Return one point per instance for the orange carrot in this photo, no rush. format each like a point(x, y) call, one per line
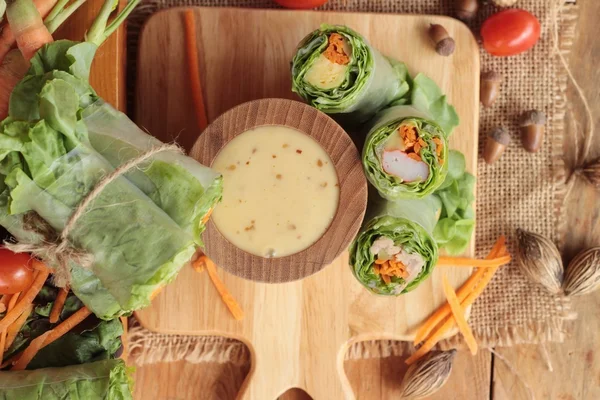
point(124, 340)
point(228, 299)
point(67, 325)
point(25, 300)
point(459, 315)
point(439, 332)
point(207, 216)
point(11, 305)
point(7, 37)
point(200, 263)
point(14, 329)
point(191, 47)
point(473, 262)
point(58, 305)
point(34, 347)
point(442, 312)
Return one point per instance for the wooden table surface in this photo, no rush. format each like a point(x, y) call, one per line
point(576, 362)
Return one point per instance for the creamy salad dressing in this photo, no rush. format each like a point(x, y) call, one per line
point(280, 191)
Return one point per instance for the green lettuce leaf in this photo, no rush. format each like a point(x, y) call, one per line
point(428, 97)
point(409, 223)
point(102, 380)
point(372, 81)
point(385, 124)
point(456, 223)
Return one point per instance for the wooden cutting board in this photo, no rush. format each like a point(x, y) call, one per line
point(297, 332)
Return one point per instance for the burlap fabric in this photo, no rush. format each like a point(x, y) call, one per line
point(519, 191)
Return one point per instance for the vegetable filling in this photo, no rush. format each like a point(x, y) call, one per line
point(329, 70)
point(393, 261)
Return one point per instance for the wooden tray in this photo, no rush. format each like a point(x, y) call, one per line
point(297, 332)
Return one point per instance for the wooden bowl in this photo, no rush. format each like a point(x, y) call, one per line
point(353, 189)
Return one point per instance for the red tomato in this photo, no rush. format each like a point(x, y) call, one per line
point(16, 274)
point(301, 4)
point(510, 32)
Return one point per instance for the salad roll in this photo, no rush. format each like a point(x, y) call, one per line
point(338, 72)
point(405, 154)
point(395, 250)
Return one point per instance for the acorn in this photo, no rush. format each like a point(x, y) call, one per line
point(465, 9)
point(444, 44)
point(495, 144)
point(532, 130)
point(489, 87)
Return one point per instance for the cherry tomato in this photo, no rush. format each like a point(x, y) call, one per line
point(301, 4)
point(510, 32)
point(16, 274)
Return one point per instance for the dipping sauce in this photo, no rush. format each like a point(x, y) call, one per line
point(280, 191)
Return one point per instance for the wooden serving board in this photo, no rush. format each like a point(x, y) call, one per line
point(297, 332)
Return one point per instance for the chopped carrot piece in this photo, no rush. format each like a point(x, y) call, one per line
point(34, 347)
point(207, 216)
point(335, 50)
point(58, 305)
point(442, 312)
point(25, 300)
point(386, 279)
point(473, 262)
point(14, 329)
point(380, 261)
point(228, 299)
point(415, 156)
point(376, 269)
point(11, 305)
point(68, 324)
point(459, 315)
point(200, 263)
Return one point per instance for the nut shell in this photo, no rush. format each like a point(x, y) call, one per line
point(583, 273)
point(540, 261)
point(532, 137)
point(495, 144)
point(466, 9)
point(489, 88)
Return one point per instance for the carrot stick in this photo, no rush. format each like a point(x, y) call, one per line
point(7, 37)
point(441, 313)
point(228, 299)
point(36, 345)
point(207, 216)
point(28, 27)
point(191, 47)
point(124, 339)
point(459, 315)
point(11, 305)
point(14, 329)
point(67, 325)
point(439, 333)
point(473, 262)
point(24, 301)
point(58, 305)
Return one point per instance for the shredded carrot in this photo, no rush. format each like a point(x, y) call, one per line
point(24, 301)
point(156, 292)
point(40, 266)
point(439, 332)
point(191, 47)
point(58, 305)
point(200, 263)
point(386, 278)
point(335, 50)
point(14, 329)
point(207, 216)
point(473, 262)
point(34, 347)
point(380, 261)
point(68, 324)
point(459, 315)
point(124, 339)
point(228, 299)
point(441, 313)
point(11, 305)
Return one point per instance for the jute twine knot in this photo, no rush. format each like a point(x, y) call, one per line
point(57, 250)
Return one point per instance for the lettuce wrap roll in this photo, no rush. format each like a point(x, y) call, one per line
point(395, 251)
point(405, 154)
point(101, 380)
point(336, 71)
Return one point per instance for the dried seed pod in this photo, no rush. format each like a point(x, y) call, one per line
point(532, 130)
point(592, 172)
point(489, 87)
point(505, 3)
point(540, 260)
point(583, 273)
point(465, 9)
point(444, 44)
point(495, 144)
point(427, 375)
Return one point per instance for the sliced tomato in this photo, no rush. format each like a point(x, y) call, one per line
point(16, 273)
point(510, 32)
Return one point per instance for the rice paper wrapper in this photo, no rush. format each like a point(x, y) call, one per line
point(102, 380)
point(372, 80)
point(385, 124)
point(409, 223)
